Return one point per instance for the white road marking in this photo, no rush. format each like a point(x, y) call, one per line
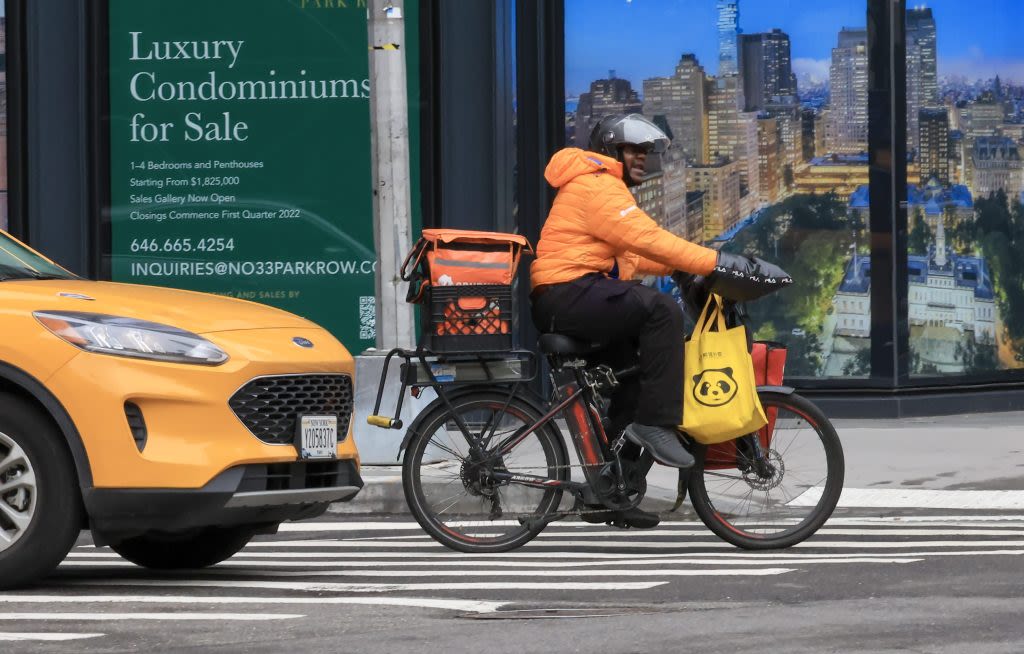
point(316, 559)
point(595, 572)
point(681, 546)
point(104, 617)
point(21, 637)
point(879, 531)
point(957, 520)
point(313, 527)
point(475, 606)
point(592, 558)
point(347, 587)
point(385, 588)
point(950, 520)
point(919, 498)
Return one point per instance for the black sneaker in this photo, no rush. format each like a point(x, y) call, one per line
point(662, 442)
point(636, 517)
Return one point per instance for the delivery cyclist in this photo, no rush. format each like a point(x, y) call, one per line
point(594, 243)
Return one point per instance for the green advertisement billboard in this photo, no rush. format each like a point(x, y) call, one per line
point(240, 152)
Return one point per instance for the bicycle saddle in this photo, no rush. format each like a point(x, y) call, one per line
point(562, 344)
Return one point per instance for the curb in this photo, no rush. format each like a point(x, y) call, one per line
point(383, 495)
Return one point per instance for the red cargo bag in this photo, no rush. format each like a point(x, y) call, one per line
point(769, 366)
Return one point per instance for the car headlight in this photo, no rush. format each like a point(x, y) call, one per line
point(128, 337)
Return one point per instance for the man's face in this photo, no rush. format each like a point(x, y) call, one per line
point(634, 160)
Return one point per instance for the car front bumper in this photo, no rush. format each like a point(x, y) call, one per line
point(250, 494)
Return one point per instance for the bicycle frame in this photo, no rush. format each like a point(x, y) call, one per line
point(574, 398)
point(577, 388)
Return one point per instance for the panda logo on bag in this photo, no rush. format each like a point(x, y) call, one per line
point(714, 387)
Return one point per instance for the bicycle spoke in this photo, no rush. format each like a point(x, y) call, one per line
point(464, 496)
point(761, 505)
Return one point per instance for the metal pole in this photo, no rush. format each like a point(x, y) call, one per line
point(389, 129)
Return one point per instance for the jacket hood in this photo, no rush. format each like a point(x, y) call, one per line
point(569, 163)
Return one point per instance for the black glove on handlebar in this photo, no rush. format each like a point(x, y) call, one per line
point(742, 278)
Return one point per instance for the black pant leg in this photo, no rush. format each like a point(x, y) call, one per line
point(661, 362)
point(625, 317)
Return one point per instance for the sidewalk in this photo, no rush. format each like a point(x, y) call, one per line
point(888, 463)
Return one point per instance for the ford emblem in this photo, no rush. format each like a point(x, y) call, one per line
point(302, 342)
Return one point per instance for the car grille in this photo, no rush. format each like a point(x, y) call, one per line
point(270, 406)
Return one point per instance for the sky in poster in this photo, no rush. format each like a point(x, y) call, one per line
point(644, 38)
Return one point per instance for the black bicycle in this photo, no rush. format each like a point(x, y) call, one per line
point(486, 467)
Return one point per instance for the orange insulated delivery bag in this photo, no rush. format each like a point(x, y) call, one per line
point(463, 279)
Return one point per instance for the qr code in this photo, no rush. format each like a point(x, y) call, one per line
point(367, 317)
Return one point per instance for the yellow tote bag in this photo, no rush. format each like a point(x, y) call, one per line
point(720, 398)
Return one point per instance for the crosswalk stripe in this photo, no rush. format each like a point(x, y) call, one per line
point(315, 586)
point(576, 556)
point(949, 520)
point(473, 606)
point(682, 545)
point(388, 588)
point(259, 566)
point(289, 558)
point(525, 560)
point(235, 571)
point(112, 617)
point(915, 530)
point(918, 498)
point(940, 520)
point(825, 531)
point(24, 637)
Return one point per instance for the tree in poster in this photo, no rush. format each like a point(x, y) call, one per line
point(810, 237)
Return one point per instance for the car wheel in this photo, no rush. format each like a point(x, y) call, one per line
point(40, 502)
point(196, 548)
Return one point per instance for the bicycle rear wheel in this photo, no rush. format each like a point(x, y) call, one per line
point(779, 505)
point(451, 491)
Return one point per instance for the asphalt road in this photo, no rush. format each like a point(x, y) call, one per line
point(870, 581)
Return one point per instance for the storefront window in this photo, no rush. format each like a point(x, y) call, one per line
point(965, 129)
point(766, 103)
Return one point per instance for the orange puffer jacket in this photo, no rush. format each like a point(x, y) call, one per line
point(595, 223)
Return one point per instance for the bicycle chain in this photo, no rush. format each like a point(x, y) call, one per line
point(557, 515)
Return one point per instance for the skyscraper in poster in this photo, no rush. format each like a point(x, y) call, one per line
point(767, 70)
point(847, 131)
point(922, 70)
point(682, 100)
point(728, 37)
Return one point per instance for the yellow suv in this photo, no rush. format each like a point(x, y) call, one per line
point(174, 425)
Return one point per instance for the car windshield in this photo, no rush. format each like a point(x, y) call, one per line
point(19, 262)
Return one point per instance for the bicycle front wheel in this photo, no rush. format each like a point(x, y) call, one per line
point(785, 497)
point(450, 484)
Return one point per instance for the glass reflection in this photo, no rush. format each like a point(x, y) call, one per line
point(766, 102)
point(965, 123)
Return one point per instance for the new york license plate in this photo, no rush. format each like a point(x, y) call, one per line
point(318, 437)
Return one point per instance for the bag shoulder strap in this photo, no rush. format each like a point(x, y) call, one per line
point(406, 272)
point(713, 315)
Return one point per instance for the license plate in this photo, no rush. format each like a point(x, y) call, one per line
point(318, 437)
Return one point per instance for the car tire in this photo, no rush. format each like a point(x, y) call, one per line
point(196, 548)
point(41, 511)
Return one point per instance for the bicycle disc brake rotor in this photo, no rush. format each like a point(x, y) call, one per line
point(765, 475)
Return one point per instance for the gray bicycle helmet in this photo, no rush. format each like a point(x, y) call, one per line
point(616, 130)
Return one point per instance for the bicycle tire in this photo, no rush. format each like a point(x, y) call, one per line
point(452, 533)
point(725, 520)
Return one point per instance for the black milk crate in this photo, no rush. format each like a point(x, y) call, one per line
point(468, 318)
